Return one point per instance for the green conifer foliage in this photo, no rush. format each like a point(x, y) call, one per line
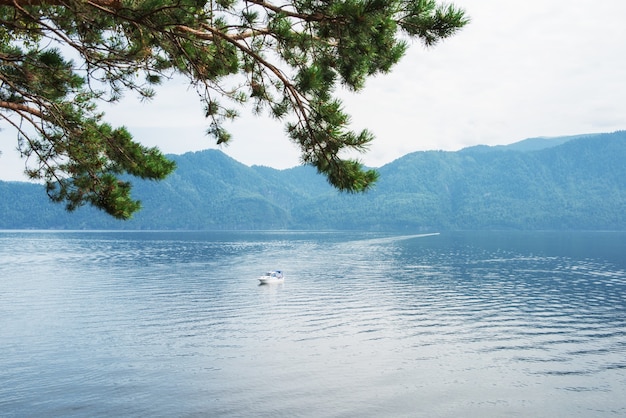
point(60, 58)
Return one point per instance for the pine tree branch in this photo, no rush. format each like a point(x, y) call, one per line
point(18, 107)
point(299, 105)
point(303, 16)
point(116, 4)
point(43, 160)
point(211, 35)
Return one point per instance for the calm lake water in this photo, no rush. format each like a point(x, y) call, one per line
point(174, 324)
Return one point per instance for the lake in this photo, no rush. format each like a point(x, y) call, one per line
point(175, 324)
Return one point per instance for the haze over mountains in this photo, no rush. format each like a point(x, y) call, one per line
point(573, 183)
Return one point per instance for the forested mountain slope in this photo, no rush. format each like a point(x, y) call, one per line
point(574, 182)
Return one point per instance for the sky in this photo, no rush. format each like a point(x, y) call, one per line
point(520, 69)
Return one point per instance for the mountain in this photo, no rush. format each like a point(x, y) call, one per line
point(532, 144)
point(576, 182)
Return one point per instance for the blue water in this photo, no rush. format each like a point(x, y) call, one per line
point(368, 325)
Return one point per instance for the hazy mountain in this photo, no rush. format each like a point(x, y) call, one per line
point(575, 182)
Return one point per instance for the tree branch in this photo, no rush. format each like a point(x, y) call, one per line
point(18, 107)
point(210, 36)
point(277, 9)
point(116, 4)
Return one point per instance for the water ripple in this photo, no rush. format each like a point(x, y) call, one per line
point(175, 324)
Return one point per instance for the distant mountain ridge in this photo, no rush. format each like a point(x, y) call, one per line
point(574, 182)
point(535, 144)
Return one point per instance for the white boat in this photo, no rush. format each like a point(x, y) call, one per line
point(275, 276)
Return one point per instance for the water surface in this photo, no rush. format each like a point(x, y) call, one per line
point(175, 324)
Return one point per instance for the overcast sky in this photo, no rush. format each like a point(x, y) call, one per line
point(520, 69)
